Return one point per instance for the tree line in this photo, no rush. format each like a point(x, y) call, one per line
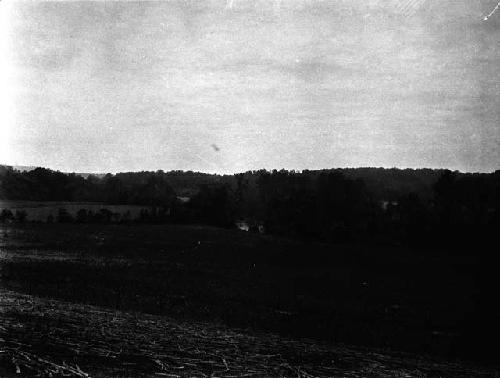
point(338, 205)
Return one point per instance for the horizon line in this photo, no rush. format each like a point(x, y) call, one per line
point(14, 166)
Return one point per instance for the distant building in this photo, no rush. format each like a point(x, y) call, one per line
point(252, 226)
point(385, 204)
point(243, 225)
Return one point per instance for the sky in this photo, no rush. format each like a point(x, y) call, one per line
point(233, 85)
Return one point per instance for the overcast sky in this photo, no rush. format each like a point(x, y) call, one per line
point(225, 86)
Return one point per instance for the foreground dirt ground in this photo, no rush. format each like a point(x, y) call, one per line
point(42, 337)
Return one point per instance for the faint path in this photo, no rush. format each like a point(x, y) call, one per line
point(59, 338)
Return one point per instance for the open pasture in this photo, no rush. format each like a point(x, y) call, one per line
point(40, 211)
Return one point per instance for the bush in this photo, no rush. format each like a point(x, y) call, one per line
point(64, 217)
point(6, 216)
point(21, 216)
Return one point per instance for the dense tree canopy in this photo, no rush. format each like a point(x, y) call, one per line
point(387, 205)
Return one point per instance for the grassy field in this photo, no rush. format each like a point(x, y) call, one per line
point(38, 211)
point(391, 299)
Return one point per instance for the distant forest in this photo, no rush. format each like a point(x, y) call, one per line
point(336, 205)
